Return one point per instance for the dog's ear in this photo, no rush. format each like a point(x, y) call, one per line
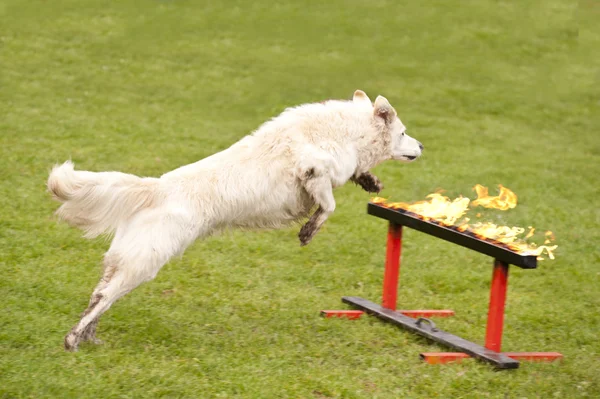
point(360, 97)
point(384, 110)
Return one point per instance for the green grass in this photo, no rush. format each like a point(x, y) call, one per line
point(498, 91)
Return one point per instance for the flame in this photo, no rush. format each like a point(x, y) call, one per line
point(503, 201)
point(438, 207)
point(450, 213)
point(531, 232)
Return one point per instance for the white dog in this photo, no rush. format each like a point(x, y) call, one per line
point(266, 180)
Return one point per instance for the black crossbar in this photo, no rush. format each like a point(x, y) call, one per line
point(413, 325)
point(464, 239)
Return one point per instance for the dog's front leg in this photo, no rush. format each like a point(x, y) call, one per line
point(322, 192)
point(368, 182)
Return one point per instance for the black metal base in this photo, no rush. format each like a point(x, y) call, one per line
point(430, 331)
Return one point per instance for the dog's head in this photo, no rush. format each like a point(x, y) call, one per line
point(403, 147)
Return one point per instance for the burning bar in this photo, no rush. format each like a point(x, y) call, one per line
point(465, 239)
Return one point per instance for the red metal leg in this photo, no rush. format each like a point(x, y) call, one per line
point(342, 314)
point(535, 356)
point(390, 283)
point(392, 266)
point(495, 323)
point(443, 357)
point(457, 357)
point(415, 314)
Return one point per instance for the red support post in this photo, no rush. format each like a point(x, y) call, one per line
point(342, 314)
point(392, 266)
point(443, 357)
point(457, 357)
point(495, 323)
point(415, 314)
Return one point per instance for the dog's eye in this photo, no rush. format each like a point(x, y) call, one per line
point(403, 133)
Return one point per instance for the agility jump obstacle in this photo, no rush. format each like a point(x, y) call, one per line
point(417, 321)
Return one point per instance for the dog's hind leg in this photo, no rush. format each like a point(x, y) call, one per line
point(89, 334)
point(135, 256)
point(110, 263)
point(116, 288)
point(321, 190)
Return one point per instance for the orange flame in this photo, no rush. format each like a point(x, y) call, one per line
point(503, 201)
point(531, 232)
point(438, 207)
point(447, 212)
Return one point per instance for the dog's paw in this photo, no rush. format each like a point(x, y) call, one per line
point(72, 342)
point(306, 233)
point(369, 182)
point(377, 186)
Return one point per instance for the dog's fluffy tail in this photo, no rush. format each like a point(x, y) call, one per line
point(98, 202)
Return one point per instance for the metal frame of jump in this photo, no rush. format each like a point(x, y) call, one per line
point(417, 321)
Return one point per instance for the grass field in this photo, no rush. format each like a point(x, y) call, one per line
point(498, 91)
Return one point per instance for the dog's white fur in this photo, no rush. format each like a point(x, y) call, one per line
point(266, 180)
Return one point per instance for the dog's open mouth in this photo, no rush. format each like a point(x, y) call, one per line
point(407, 158)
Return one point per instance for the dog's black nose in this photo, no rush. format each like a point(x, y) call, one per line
point(420, 145)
